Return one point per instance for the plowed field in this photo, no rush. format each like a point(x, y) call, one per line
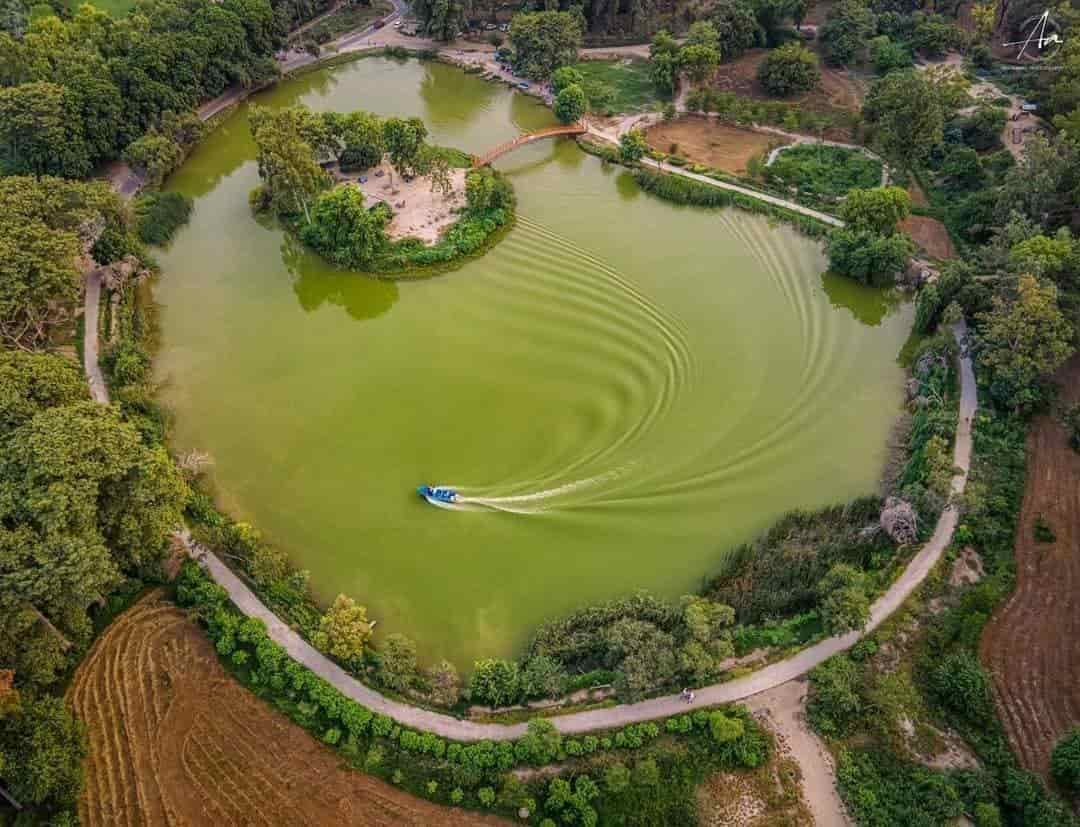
point(1032, 644)
point(175, 740)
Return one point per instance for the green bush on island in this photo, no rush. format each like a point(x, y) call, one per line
point(294, 144)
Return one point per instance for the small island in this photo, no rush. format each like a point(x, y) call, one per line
point(371, 194)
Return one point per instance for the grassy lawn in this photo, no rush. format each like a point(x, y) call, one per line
point(825, 170)
point(634, 92)
point(346, 19)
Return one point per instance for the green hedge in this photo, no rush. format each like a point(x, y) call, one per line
point(686, 746)
point(681, 190)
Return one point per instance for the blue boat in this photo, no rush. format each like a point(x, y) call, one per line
point(437, 495)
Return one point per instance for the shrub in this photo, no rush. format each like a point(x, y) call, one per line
point(486, 796)
point(571, 103)
point(495, 682)
point(158, 215)
point(960, 686)
point(867, 257)
point(835, 703)
point(616, 778)
point(1065, 761)
point(541, 742)
point(788, 70)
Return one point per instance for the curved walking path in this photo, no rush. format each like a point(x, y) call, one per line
point(764, 679)
point(663, 166)
point(453, 728)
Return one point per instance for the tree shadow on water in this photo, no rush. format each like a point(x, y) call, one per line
point(870, 305)
point(316, 283)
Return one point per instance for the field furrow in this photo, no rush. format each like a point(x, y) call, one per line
point(175, 740)
point(1031, 646)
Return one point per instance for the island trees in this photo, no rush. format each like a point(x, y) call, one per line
point(344, 231)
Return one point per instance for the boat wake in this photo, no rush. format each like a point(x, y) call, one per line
point(536, 502)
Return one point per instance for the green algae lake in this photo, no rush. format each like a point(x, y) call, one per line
point(623, 389)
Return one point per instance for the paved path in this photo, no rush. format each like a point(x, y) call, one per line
point(760, 681)
point(91, 305)
point(764, 679)
point(825, 218)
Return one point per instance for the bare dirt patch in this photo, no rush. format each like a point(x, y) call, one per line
point(418, 211)
point(839, 93)
point(175, 740)
point(709, 142)
point(930, 234)
point(1031, 646)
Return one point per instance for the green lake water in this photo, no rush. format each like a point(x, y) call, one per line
point(625, 389)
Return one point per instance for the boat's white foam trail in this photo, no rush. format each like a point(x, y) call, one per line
point(534, 502)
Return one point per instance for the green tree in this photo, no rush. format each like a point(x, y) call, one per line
point(887, 55)
point(772, 16)
point(571, 103)
point(495, 682)
point(440, 19)
point(959, 684)
point(30, 383)
point(397, 662)
point(1065, 760)
point(698, 61)
point(1021, 340)
point(867, 257)
point(362, 141)
point(663, 61)
point(847, 28)
point(1042, 186)
point(486, 190)
point(404, 140)
point(542, 677)
point(39, 133)
point(153, 157)
point(737, 28)
point(643, 655)
point(344, 231)
point(725, 729)
point(43, 747)
point(543, 41)
point(876, 210)
point(789, 69)
point(632, 146)
point(845, 604)
point(907, 113)
point(292, 177)
point(541, 742)
point(565, 76)
point(344, 630)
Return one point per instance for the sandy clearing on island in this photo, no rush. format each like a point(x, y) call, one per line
point(418, 212)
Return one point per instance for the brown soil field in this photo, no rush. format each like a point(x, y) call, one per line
point(707, 141)
point(175, 740)
point(930, 234)
point(839, 92)
point(1031, 646)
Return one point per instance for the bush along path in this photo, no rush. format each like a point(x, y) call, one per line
point(671, 169)
point(766, 678)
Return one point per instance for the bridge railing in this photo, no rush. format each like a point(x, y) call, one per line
point(508, 146)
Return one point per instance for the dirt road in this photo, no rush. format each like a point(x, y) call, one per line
point(1032, 644)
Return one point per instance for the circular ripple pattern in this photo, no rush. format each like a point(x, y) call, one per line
point(643, 387)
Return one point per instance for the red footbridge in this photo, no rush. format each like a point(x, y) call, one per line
point(578, 128)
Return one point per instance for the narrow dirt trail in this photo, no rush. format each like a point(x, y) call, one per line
point(1031, 646)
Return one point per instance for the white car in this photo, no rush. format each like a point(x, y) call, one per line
point(397, 24)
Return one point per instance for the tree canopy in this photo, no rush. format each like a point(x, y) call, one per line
point(543, 41)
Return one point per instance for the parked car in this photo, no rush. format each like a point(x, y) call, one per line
point(523, 84)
